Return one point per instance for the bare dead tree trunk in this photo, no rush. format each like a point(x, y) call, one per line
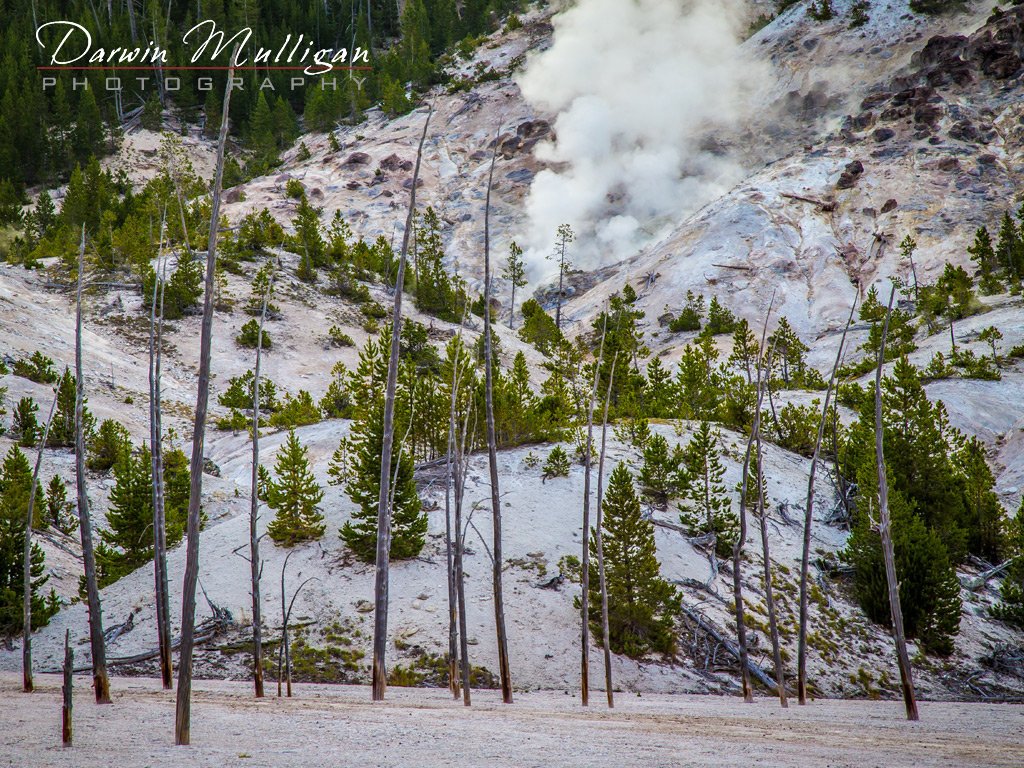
point(602, 584)
point(462, 460)
point(182, 718)
point(163, 618)
point(380, 610)
point(885, 532)
point(254, 506)
point(67, 729)
point(101, 683)
point(769, 594)
point(453, 609)
point(737, 549)
point(492, 451)
point(585, 581)
point(285, 652)
point(26, 617)
point(809, 520)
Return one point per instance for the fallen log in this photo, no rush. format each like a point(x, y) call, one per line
point(708, 628)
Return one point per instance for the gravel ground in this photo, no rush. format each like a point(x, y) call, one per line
point(338, 726)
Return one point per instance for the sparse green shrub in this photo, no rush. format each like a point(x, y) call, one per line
point(250, 336)
point(557, 464)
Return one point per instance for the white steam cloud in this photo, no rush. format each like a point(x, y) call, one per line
point(639, 87)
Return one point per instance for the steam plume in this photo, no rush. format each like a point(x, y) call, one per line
point(639, 86)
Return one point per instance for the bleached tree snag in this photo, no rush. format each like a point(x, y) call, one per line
point(885, 532)
point(182, 717)
point(67, 730)
point(380, 591)
point(585, 570)
point(462, 456)
point(805, 560)
point(163, 620)
point(101, 683)
point(453, 610)
point(492, 451)
point(599, 541)
point(26, 617)
point(737, 549)
point(285, 651)
point(254, 506)
point(769, 595)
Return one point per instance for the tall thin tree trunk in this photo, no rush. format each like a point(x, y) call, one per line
point(585, 581)
point(67, 729)
point(462, 456)
point(492, 451)
point(885, 532)
point(769, 594)
point(101, 683)
point(380, 617)
point(453, 609)
point(737, 549)
point(809, 520)
point(26, 617)
point(163, 619)
point(182, 718)
point(602, 584)
point(254, 506)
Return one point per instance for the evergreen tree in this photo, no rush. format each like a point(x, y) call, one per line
point(127, 544)
point(745, 351)
point(294, 495)
point(107, 446)
point(641, 605)
point(662, 475)
point(706, 508)
point(408, 521)
point(62, 428)
point(515, 272)
point(720, 319)
point(538, 328)
point(1010, 249)
point(60, 513)
point(659, 397)
point(557, 464)
point(1011, 606)
point(15, 485)
point(87, 137)
point(690, 316)
point(984, 256)
point(700, 382)
point(564, 237)
point(24, 426)
point(308, 242)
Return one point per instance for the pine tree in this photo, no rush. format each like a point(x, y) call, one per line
point(984, 256)
point(294, 495)
point(658, 394)
point(127, 544)
point(564, 237)
point(24, 425)
point(62, 429)
point(745, 350)
point(515, 272)
point(641, 605)
point(720, 319)
point(106, 447)
point(706, 508)
point(87, 138)
point(408, 521)
point(1011, 606)
point(662, 475)
point(308, 242)
point(557, 464)
point(60, 513)
point(15, 484)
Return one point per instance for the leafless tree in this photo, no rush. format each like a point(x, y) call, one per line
point(737, 549)
point(284, 653)
point(380, 604)
point(585, 602)
point(69, 667)
point(885, 532)
point(254, 506)
point(182, 718)
point(26, 617)
point(163, 617)
point(599, 540)
point(465, 439)
point(808, 517)
point(101, 682)
point(769, 594)
point(492, 451)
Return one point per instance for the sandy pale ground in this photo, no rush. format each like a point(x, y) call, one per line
point(338, 726)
